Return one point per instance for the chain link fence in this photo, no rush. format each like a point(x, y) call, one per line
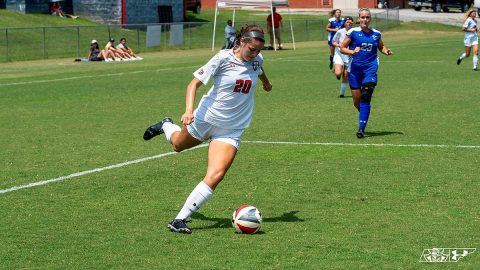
point(31, 43)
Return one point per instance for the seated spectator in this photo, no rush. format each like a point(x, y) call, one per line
point(95, 54)
point(123, 46)
point(56, 10)
point(118, 54)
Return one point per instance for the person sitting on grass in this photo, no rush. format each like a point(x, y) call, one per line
point(119, 55)
point(95, 54)
point(123, 47)
point(56, 10)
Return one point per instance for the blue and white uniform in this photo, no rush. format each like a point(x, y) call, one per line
point(334, 23)
point(364, 64)
point(471, 38)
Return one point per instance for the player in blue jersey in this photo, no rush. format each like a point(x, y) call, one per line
point(334, 24)
point(362, 44)
point(471, 38)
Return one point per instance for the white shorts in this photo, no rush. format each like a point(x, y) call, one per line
point(471, 40)
point(341, 59)
point(204, 131)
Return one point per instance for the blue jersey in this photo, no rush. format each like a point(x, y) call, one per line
point(335, 24)
point(364, 65)
point(368, 43)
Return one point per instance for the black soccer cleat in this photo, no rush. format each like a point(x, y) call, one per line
point(475, 69)
point(331, 64)
point(156, 129)
point(179, 225)
point(341, 96)
point(360, 133)
point(459, 60)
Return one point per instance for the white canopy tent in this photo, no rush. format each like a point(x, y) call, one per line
point(234, 4)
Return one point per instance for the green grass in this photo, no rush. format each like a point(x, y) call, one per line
point(325, 206)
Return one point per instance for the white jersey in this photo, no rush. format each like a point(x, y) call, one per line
point(229, 102)
point(470, 24)
point(338, 38)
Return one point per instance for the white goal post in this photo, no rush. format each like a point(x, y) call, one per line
point(236, 4)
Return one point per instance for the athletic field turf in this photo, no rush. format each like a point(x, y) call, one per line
point(329, 200)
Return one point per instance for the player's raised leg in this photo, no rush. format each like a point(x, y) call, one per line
point(464, 55)
point(178, 137)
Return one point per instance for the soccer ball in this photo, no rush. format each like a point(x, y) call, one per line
point(247, 219)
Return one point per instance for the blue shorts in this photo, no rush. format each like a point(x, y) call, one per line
point(358, 76)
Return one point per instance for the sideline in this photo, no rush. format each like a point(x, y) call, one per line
point(94, 76)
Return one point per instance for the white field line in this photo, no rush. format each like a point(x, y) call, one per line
point(93, 76)
point(382, 61)
point(369, 144)
point(73, 175)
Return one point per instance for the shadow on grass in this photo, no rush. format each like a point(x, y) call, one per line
point(227, 223)
point(381, 133)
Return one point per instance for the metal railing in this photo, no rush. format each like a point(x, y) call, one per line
point(30, 43)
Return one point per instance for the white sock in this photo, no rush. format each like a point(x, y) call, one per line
point(169, 129)
point(200, 194)
point(463, 56)
point(475, 61)
point(343, 87)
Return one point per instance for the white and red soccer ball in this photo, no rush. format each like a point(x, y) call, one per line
point(247, 219)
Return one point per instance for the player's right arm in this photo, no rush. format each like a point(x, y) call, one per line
point(187, 117)
point(344, 47)
point(328, 27)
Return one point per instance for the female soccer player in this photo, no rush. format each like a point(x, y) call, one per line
point(362, 44)
point(471, 38)
point(222, 114)
point(334, 24)
point(341, 60)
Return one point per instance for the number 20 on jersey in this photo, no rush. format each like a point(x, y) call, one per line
point(242, 86)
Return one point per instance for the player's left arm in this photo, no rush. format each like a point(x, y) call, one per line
point(383, 49)
point(267, 86)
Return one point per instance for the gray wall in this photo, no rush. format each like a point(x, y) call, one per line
point(106, 11)
point(146, 11)
point(137, 11)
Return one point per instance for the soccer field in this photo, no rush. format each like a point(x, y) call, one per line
point(329, 200)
